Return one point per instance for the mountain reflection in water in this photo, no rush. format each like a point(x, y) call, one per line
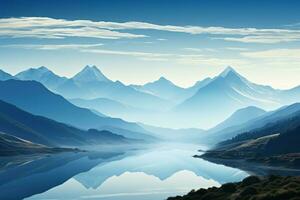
point(147, 174)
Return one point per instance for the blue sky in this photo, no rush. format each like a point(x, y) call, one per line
point(139, 41)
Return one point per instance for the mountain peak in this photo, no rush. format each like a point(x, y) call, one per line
point(34, 73)
point(42, 69)
point(227, 71)
point(92, 68)
point(163, 79)
point(5, 76)
point(90, 73)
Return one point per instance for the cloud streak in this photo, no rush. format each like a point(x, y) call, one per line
point(44, 27)
point(196, 59)
point(52, 46)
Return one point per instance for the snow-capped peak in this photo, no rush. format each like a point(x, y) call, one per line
point(90, 73)
point(228, 71)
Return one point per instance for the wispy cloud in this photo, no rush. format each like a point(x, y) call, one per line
point(199, 49)
point(286, 59)
point(193, 49)
point(266, 38)
point(196, 59)
point(43, 27)
point(274, 54)
point(52, 46)
point(128, 53)
point(293, 25)
point(237, 48)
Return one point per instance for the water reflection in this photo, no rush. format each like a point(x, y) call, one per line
point(131, 185)
point(25, 176)
point(146, 174)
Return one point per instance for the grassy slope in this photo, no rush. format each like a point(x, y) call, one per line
point(11, 146)
point(251, 188)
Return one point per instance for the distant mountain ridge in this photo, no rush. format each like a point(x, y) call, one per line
point(225, 94)
point(42, 75)
point(203, 105)
point(5, 76)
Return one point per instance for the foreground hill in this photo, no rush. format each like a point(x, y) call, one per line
point(41, 130)
point(216, 135)
point(12, 146)
point(276, 143)
point(254, 188)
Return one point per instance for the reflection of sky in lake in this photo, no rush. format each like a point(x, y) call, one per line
point(147, 175)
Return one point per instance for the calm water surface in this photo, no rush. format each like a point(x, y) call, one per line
point(154, 173)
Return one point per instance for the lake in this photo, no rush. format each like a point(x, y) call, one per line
point(152, 173)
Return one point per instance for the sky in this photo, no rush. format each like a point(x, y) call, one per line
point(140, 41)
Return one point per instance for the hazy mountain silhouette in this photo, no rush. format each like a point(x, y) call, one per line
point(5, 76)
point(42, 75)
point(90, 83)
point(165, 89)
point(222, 96)
point(21, 124)
point(280, 114)
point(106, 106)
point(162, 88)
point(162, 103)
point(239, 117)
point(33, 97)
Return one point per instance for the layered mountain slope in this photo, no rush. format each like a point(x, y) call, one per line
point(162, 88)
point(281, 114)
point(90, 83)
point(222, 96)
point(161, 103)
point(276, 143)
point(239, 117)
point(165, 89)
point(12, 146)
point(5, 76)
point(41, 130)
point(33, 97)
point(107, 106)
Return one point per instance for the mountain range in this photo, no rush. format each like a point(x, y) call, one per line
point(44, 131)
point(33, 97)
point(162, 103)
